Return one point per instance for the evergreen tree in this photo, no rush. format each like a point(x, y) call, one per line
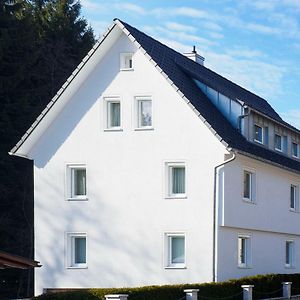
point(41, 42)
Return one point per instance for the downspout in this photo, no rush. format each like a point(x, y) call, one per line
point(215, 210)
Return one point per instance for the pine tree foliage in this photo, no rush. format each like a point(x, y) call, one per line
point(41, 42)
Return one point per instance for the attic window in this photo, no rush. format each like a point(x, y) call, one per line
point(126, 61)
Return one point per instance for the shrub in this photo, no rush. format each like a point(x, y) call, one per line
point(265, 286)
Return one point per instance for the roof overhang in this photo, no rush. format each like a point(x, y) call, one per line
point(8, 260)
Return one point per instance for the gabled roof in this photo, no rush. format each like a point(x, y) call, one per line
point(180, 72)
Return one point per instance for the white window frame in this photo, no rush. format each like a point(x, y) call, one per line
point(168, 250)
point(296, 197)
point(123, 57)
point(281, 142)
point(137, 111)
point(169, 180)
point(291, 264)
point(70, 184)
point(295, 156)
point(262, 134)
point(70, 250)
point(106, 113)
point(253, 183)
point(248, 251)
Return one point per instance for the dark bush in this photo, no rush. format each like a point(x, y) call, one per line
point(265, 286)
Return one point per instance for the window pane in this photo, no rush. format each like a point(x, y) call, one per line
point(242, 250)
point(278, 142)
point(79, 182)
point(145, 113)
point(288, 253)
point(177, 250)
point(295, 149)
point(293, 196)
point(114, 114)
point(178, 180)
point(80, 250)
point(247, 185)
point(258, 134)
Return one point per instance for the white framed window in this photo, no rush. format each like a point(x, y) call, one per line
point(176, 180)
point(289, 253)
point(175, 250)
point(249, 186)
point(244, 251)
point(76, 182)
point(258, 134)
point(295, 150)
point(294, 198)
point(278, 142)
point(76, 250)
point(112, 113)
point(126, 61)
point(144, 113)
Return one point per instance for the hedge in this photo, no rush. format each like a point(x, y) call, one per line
point(265, 286)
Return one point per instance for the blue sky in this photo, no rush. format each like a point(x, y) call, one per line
point(255, 43)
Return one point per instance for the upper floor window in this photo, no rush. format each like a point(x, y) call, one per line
point(261, 134)
point(113, 114)
point(76, 250)
point(126, 61)
point(249, 186)
point(76, 182)
point(144, 112)
point(175, 256)
point(295, 150)
point(294, 194)
point(289, 254)
point(176, 180)
point(278, 142)
point(244, 251)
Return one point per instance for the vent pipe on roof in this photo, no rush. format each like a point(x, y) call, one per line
point(195, 56)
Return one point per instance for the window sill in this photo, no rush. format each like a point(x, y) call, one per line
point(78, 199)
point(249, 201)
point(113, 129)
point(83, 267)
point(294, 211)
point(245, 267)
point(258, 142)
point(175, 267)
point(278, 150)
point(289, 267)
point(295, 157)
point(143, 128)
point(176, 197)
point(127, 69)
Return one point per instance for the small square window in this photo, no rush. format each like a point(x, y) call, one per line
point(144, 111)
point(295, 150)
point(126, 61)
point(294, 195)
point(278, 142)
point(113, 114)
point(76, 250)
point(175, 246)
point(76, 182)
point(176, 180)
point(289, 254)
point(249, 186)
point(244, 251)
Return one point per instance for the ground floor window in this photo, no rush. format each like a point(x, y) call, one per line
point(76, 250)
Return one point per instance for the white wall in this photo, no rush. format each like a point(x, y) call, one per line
point(269, 220)
point(126, 215)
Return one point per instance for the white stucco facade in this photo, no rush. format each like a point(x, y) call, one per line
point(127, 213)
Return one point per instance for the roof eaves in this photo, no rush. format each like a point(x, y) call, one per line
point(58, 94)
point(127, 32)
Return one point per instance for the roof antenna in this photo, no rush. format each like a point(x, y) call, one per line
point(194, 49)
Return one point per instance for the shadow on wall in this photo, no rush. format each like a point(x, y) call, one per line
point(82, 101)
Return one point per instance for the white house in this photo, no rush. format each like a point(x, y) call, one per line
point(150, 168)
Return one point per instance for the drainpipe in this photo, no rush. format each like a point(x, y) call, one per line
point(215, 209)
